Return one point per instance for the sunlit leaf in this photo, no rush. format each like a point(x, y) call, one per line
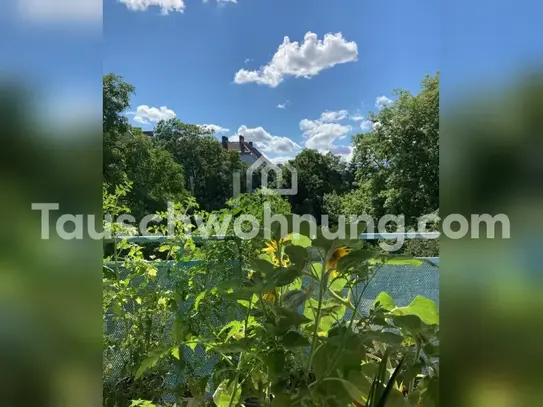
point(422, 307)
point(300, 240)
point(227, 395)
point(385, 301)
point(199, 298)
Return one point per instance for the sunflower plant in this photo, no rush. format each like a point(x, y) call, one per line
point(302, 339)
point(135, 305)
point(294, 333)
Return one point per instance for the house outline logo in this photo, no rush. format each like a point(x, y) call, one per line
point(265, 166)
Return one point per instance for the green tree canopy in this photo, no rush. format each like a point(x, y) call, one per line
point(208, 166)
point(157, 178)
point(397, 163)
point(129, 155)
point(318, 174)
point(116, 99)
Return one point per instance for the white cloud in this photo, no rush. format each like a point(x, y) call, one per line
point(216, 128)
point(321, 135)
point(302, 60)
point(145, 114)
point(345, 152)
point(247, 60)
point(366, 125)
point(357, 117)
point(165, 5)
point(382, 101)
point(333, 116)
point(283, 105)
point(264, 141)
point(281, 159)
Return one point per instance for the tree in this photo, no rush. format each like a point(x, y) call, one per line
point(157, 178)
point(116, 99)
point(129, 155)
point(318, 174)
point(397, 163)
point(208, 166)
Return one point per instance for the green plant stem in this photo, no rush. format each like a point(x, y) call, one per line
point(262, 304)
point(344, 339)
point(118, 272)
point(268, 386)
point(417, 356)
point(280, 259)
point(236, 380)
point(338, 298)
point(354, 313)
point(317, 322)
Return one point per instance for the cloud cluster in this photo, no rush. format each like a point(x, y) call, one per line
point(329, 117)
point(302, 60)
point(215, 128)
point(344, 152)
point(283, 105)
point(357, 117)
point(146, 115)
point(322, 133)
point(282, 159)
point(381, 102)
point(165, 5)
point(366, 126)
point(264, 141)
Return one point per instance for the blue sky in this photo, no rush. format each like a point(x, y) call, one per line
point(186, 62)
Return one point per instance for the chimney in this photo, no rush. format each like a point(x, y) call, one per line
point(225, 142)
point(251, 143)
point(241, 144)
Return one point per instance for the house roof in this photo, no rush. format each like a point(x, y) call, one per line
point(249, 148)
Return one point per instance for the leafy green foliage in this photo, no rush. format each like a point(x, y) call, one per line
point(281, 318)
point(227, 395)
point(157, 178)
point(136, 301)
point(318, 175)
point(332, 360)
point(116, 99)
point(209, 168)
point(397, 162)
point(130, 156)
point(286, 323)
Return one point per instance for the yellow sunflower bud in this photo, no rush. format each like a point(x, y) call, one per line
point(340, 252)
